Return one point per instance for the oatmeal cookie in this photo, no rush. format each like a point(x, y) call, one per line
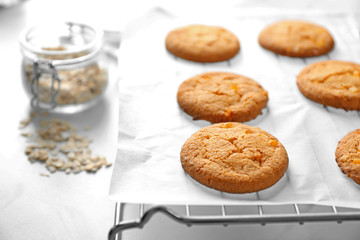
point(347, 155)
point(202, 43)
point(296, 39)
point(332, 83)
point(222, 97)
point(234, 158)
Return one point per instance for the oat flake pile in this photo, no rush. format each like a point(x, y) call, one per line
point(57, 144)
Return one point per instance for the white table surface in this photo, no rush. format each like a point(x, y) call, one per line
point(77, 206)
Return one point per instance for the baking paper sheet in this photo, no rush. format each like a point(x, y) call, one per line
point(152, 128)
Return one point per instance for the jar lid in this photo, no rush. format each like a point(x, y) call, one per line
point(61, 39)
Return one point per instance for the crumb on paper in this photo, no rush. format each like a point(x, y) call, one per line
point(61, 148)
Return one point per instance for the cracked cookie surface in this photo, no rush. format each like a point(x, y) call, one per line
point(332, 83)
point(347, 155)
point(234, 158)
point(222, 97)
point(295, 38)
point(202, 43)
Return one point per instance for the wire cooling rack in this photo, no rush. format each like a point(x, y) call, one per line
point(228, 214)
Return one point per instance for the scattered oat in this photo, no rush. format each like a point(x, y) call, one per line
point(29, 150)
point(24, 123)
point(42, 155)
point(71, 156)
point(24, 134)
point(44, 175)
point(57, 136)
point(51, 169)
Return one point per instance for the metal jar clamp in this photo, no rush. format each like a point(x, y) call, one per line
point(40, 67)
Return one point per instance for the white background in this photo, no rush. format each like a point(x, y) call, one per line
point(78, 207)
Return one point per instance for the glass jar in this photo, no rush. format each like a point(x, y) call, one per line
point(63, 67)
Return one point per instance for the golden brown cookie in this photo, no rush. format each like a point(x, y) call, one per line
point(222, 97)
point(332, 83)
point(347, 155)
point(201, 43)
point(234, 158)
point(296, 39)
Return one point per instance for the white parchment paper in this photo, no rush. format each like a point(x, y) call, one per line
point(152, 128)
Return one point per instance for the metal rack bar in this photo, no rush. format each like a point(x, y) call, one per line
point(141, 210)
point(223, 213)
point(224, 219)
point(297, 211)
point(119, 216)
point(187, 208)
